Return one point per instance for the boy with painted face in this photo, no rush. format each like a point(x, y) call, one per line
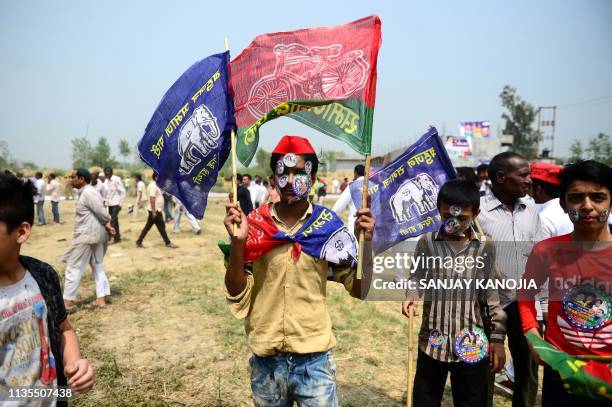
point(578, 267)
point(279, 262)
point(455, 336)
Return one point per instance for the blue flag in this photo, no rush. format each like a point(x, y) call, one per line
point(187, 140)
point(404, 192)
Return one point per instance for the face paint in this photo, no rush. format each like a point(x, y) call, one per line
point(290, 160)
point(308, 167)
point(301, 185)
point(282, 181)
point(603, 216)
point(573, 214)
point(280, 167)
point(453, 226)
point(455, 210)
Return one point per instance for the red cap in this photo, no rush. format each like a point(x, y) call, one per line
point(546, 172)
point(293, 144)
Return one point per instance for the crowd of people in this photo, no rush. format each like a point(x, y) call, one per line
point(522, 217)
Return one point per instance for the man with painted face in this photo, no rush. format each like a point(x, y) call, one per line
point(449, 333)
point(578, 266)
point(511, 218)
point(279, 262)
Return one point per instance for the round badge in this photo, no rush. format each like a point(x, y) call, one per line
point(586, 307)
point(300, 185)
point(604, 215)
point(471, 346)
point(290, 160)
point(436, 338)
point(308, 167)
point(455, 210)
point(452, 226)
point(282, 181)
point(280, 167)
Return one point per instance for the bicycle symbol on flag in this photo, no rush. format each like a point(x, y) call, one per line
point(303, 72)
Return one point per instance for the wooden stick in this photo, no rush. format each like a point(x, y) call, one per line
point(593, 357)
point(410, 352)
point(234, 172)
point(364, 203)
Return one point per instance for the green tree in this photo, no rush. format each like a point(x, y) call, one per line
point(263, 163)
point(81, 152)
point(600, 148)
point(5, 156)
point(328, 161)
point(519, 119)
point(576, 150)
point(101, 154)
point(124, 148)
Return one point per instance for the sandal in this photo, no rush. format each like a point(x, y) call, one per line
point(94, 305)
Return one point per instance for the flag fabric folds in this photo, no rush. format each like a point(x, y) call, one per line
point(187, 139)
point(404, 192)
point(323, 77)
point(590, 379)
point(323, 236)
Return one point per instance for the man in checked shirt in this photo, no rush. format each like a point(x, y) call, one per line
point(454, 336)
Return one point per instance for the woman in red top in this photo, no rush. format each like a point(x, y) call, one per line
point(578, 267)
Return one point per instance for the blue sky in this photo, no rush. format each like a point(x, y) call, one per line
point(71, 67)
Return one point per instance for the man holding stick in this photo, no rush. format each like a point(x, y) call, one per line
point(279, 283)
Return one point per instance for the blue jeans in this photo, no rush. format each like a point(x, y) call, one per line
point(40, 212)
point(55, 211)
point(308, 379)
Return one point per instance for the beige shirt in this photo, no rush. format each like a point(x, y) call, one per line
point(284, 301)
point(153, 191)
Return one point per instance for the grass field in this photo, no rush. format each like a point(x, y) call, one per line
point(168, 339)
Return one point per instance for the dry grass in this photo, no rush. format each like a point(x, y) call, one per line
point(168, 339)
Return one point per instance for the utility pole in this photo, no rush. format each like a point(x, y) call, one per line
point(547, 123)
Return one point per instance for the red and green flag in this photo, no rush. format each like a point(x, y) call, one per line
point(585, 378)
point(323, 77)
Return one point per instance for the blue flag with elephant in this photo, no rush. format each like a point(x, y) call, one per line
point(187, 140)
point(404, 192)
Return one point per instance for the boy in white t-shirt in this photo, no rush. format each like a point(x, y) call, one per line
point(38, 346)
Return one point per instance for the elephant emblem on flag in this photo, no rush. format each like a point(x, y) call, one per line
point(199, 133)
point(415, 197)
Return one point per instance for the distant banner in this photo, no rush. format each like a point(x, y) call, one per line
point(475, 129)
point(458, 146)
point(404, 193)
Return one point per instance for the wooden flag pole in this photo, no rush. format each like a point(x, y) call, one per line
point(364, 203)
point(234, 172)
point(410, 352)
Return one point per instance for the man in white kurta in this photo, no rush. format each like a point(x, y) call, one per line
point(88, 246)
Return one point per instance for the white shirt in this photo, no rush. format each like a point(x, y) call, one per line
point(141, 189)
point(153, 191)
point(555, 221)
point(115, 192)
point(345, 200)
point(258, 193)
point(39, 184)
point(54, 189)
point(26, 344)
point(514, 234)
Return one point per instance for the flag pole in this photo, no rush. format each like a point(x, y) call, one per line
point(234, 172)
point(410, 352)
point(364, 203)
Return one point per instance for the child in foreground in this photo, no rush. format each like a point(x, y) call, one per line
point(463, 330)
point(38, 346)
